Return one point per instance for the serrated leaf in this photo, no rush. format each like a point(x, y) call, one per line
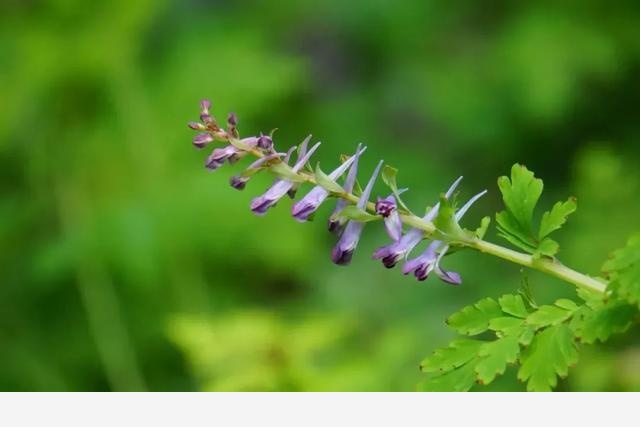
point(509, 230)
point(547, 315)
point(456, 354)
point(556, 217)
point(353, 212)
point(460, 379)
point(526, 336)
point(513, 305)
point(520, 195)
point(506, 325)
point(482, 229)
point(323, 180)
point(551, 353)
point(474, 319)
point(624, 271)
point(495, 356)
point(593, 325)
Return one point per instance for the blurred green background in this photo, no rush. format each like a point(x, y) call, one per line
point(127, 266)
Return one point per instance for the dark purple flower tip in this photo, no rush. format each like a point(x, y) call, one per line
point(335, 226)
point(220, 155)
point(232, 120)
point(385, 207)
point(206, 118)
point(202, 139)
point(238, 182)
point(196, 126)
point(388, 255)
point(265, 142)
point(341, 257)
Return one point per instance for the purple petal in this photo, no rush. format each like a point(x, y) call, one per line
point(261, 204)
point(202, 139)
point(336, 225)
point(309, 203)
point(423, 264)
point(343, 251)
point(393, 225)
point(393, 253)
point(220, 155)
point(232, 119)
point(304, 159)
point(265, 142)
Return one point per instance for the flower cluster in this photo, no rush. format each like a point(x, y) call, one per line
point(351, 211)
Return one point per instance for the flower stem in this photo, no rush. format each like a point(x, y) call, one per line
point(551, 267)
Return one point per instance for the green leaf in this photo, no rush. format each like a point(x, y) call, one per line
point(567, 304)
point(474, 319)
point(526, 336)
point(593, 325)
point(457, 354)
point(509, 230)
point(355, 213)
point(495, 356)
point(550, 354)
point(513, 305)
point(556, 217)
point(548, 315)
point(547, 247)
point(506, 325)
point(484, 226)
point(446, 223)
point(389, 175)
point(460, 379)
point(284, 171)
point(323, 180)
point(623, 270)
point(520, 195)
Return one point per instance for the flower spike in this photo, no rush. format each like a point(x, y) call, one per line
point(343, 251)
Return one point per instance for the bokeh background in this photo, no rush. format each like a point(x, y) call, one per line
point(125, 265)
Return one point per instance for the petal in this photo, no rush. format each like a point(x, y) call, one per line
point(433, 212)
point(343, 251)
point(304, 159)
point(393, 225)
point(460, 213)
point(309, 203)
point(261, 204)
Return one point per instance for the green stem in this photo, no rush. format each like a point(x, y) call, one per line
point(551, 267)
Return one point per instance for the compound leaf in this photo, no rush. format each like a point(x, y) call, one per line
point(474, 319)
point(457, 354)
point(495, 356)
point(551, 353)
point(556, 217)
point(513, 305)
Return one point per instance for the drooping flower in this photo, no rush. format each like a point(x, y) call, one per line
point(261, 204)
point(388, 209)
point(422, 265)
point(336, 224)
point(393, 253)
point(202, 139)
point(312, 201)
point(220, 155)
point(240, 181)
point(343, 251)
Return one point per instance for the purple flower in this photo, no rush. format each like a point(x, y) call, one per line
point(343, 251)
point(202, 139)
point(261, 204)
point(422, 265)
point(265, 142)
point(336, 224)
point(391, 254)
point(196, 126)
point(220, 155)
point(205, 117)
point(312, 201)
point(232, 119)
point(240, 181)
point(388, 209)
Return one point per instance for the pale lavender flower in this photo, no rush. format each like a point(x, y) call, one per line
point(261, 204)
point(422, 265)
point(205, 117)
point(220, 155)
point(343, 251)
point(196, 126)
point(312, 201)
point(336, 224)
point(202, 139)
point(388, 209)
point(240, 181)
point(391, 254)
